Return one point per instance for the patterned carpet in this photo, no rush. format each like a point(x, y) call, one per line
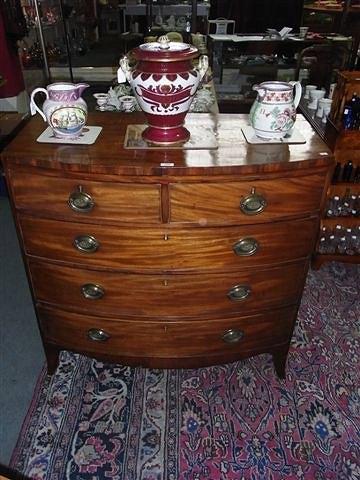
point(94, 421)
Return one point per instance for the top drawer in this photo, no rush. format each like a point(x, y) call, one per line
point(85, 200)
point(246, 202)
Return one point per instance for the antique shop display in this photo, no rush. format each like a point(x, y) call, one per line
point(64, 109)
point(273, 113)
point(164, 81)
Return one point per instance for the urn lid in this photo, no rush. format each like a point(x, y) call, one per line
point(163, 50)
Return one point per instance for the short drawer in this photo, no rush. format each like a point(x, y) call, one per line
point(239, 202)
point(99, 335)
point(159, 249)
point(183, 295)
point(85, 201)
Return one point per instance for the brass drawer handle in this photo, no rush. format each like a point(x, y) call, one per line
point(91, 291)
point(86, 243)
point(232, 336)
point(253, 204)
point(239, 293)
point(81, 201)
point(246, 247)
point(98, 335)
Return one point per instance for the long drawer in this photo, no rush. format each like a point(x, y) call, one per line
point(146, 338)
point(220, 203)
point(184, 295)
point(159, 249)
point(93, 201)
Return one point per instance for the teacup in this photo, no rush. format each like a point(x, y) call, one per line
point(326, 113)
point(315, 96)
point(323, 102)
point(101, 99)
point(127, 103)
point(332, 89)
point(308, 88)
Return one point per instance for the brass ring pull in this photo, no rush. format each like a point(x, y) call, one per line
point(239, 293)
point(97, 335)
point(81, 201)
point(86, 243)
point(253, 204)
point(91, 291)
point(232, 336)
point(246, 247)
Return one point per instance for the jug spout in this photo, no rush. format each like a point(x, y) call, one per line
point(261, 91)
point(80, 87)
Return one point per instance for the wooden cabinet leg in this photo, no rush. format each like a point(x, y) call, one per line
point(52, 358)
point(279, 359)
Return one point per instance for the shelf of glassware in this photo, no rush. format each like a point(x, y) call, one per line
point(339, 237)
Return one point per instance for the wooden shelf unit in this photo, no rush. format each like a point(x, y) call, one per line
point(347, 148)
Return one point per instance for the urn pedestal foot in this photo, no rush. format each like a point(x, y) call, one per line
point(166, 136)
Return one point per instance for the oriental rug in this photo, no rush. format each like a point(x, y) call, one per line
point(94, 421)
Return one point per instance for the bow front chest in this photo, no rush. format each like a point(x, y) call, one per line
point(167, 258)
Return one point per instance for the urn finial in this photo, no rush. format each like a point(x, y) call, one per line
point(164, 42)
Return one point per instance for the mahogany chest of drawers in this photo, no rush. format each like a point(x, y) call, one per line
point(167, 257)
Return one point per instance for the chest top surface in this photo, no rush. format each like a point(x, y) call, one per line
point(108, 155)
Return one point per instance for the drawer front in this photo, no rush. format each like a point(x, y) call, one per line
point(164, 249)
point(103, 201)
point(131, 338)
point(108, 293)
point(221, 203)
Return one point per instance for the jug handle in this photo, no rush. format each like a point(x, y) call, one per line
point(33, 107)
point(298, 91)
point(203, 66)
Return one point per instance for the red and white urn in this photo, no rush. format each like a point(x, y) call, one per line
point(164, 81)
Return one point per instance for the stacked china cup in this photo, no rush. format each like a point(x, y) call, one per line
point(318, 102)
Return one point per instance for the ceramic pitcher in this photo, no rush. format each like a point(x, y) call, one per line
point(63, 109)
point(273, 113)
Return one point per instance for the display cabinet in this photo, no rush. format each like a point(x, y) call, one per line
point(330, 17)
point(161, 16)
point(240, 61)
point(59, 33)
point(45, 46)
point(339, 236)
point(69, 41)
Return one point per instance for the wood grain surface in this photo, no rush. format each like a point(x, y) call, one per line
point(166, 225)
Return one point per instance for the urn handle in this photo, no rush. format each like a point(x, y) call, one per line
point(203, 66)
point(124, 71)
point(33, 107)
point(298, 92)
